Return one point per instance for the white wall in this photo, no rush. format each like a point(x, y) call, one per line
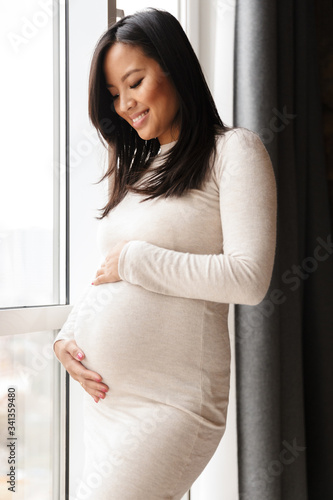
point(87, 21)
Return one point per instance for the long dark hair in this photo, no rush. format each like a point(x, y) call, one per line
point(160, 37)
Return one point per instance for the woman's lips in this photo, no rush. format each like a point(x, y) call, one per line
point(138, 120)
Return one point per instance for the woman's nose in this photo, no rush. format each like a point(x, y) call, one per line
point(126, 103)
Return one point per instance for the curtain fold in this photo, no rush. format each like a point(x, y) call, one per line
point(284, 346)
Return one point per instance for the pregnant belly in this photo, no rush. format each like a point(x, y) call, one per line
point(157, 347)
point(127, 332)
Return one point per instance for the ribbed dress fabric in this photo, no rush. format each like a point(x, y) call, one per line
point(159, 337)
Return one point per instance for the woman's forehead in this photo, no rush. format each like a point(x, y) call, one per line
point(123, 58)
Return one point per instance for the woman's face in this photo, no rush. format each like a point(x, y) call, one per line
point(143, 95)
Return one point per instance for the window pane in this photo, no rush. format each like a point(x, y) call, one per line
point(29, 155)
point(29, 373)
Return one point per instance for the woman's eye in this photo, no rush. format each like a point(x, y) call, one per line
point(136, 84)
point(115, 97)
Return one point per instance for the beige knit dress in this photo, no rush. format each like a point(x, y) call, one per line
point(159, 337)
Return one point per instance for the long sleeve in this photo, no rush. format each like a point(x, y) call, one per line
point(241, 273)
point(67, 331)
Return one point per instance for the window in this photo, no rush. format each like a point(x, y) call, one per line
point(29, 416)
point(32, 178)
point(32, 247)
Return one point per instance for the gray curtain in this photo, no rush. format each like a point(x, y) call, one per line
point(284, 346)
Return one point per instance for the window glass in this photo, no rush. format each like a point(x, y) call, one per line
point(29, 155)
point(28, 417)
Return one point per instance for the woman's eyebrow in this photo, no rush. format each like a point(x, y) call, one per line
point(126, 75)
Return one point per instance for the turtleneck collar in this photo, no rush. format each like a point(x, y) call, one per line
point(164, 148)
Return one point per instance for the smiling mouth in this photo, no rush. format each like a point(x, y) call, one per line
point(135, 120)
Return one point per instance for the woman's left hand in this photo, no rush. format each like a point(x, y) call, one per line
point(108, 272)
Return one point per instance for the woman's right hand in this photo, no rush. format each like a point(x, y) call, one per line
point(70, 356)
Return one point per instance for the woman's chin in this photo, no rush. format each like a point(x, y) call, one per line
point(145, 136)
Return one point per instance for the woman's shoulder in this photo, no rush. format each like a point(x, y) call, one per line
point(236, 139)
point(238, 149)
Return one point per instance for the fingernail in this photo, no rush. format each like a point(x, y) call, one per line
point(98, 379)
point(96, 400)
point(101, 395)
point(104, 390)
point(92, 283)
point(80, 355)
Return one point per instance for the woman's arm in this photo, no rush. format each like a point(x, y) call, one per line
point(242, 273)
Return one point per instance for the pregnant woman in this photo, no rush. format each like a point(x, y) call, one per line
point(189, 227)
